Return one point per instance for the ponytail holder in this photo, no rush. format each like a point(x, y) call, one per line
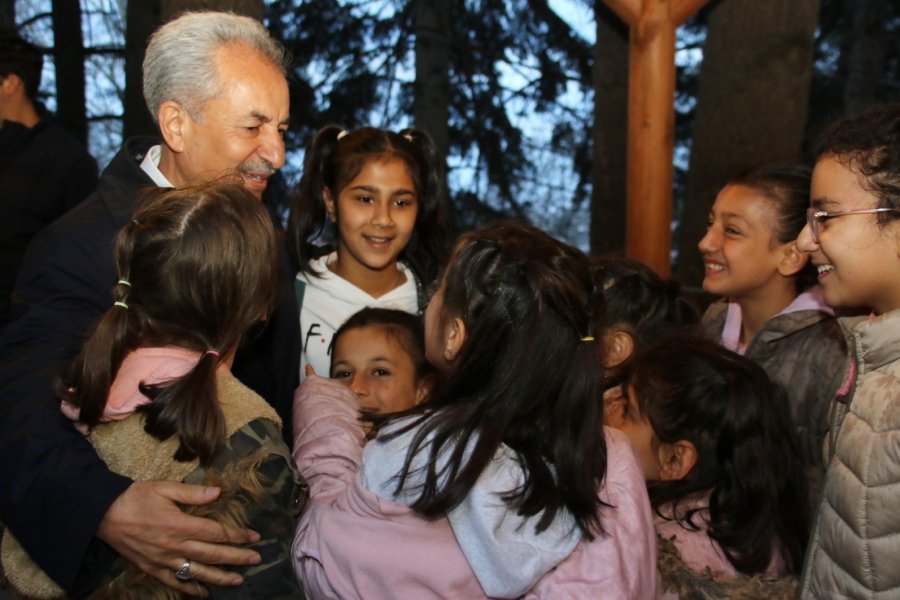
point(342, 134)
point(409, 137)
point(213, 352)
point(120, 304)
point(123, 282)
point(587, 338)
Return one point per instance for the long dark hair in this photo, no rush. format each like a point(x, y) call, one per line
point(334, 157)
point(200, 267)
point(522, 378)
point(691, 388)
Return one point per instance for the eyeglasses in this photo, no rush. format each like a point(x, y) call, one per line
point(814, 216)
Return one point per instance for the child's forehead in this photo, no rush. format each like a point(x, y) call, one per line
point(747, 204)
point(838, 183)
point(365, 339)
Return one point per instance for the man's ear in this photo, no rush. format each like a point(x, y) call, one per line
point(10, 84)
point(329, 204)
point(174, 124)
point(792, 260)
point(454, 338)
point(618, 346)
point(676, 460)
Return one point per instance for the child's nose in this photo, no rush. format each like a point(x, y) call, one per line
point(805, 241)
point(358, 386)
point(382, 216)
point(709, 241)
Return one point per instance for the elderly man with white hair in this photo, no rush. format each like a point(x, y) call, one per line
point(215, 84)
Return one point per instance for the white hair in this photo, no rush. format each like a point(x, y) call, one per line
point(180, 61)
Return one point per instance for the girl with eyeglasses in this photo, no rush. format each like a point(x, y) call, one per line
point(771, 310)
point(854, 242)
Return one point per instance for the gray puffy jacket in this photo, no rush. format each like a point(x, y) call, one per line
point(805, 352)
point(854, 549)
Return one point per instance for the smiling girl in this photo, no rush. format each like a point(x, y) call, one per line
point(484, 489)
point(853, 237)
point(772, 312)
point(368, 228)
point(379, 353)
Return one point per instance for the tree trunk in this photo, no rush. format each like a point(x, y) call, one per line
point(610, 133)
point(142, 18)
point(251, 8)
point(7, 14)
point(68, 53)
point(751, 104)
point(431, 91)
point(866, 47)
point(431, 101)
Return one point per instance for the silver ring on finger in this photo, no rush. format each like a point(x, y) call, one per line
point(184, 573)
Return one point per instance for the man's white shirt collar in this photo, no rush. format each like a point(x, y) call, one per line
point(150, 166)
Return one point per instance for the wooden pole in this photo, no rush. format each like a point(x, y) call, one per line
point(651, 124)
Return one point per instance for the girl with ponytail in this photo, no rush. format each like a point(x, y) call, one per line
point(153, 387)
point(368, 227)
point(484, 489)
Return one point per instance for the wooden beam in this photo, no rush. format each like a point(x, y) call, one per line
point(682, 10)
point(627, 10)
point(651, 121)
point(651, 125)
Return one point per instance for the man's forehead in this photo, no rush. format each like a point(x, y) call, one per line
point(239, 60)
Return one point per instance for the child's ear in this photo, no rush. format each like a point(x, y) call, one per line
point(174, 124)
point(792, 260)
point(676, 460)
point(455, 336)
point(424, 386)
point(618, 346)
point(329, 204)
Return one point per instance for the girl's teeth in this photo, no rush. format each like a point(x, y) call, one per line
point(824, 268)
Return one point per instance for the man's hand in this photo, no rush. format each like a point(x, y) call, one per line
point(146, 526)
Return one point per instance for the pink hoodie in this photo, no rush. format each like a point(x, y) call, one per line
point(351, 543)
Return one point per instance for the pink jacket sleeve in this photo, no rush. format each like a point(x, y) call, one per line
point(622, 562)
point(328, 438)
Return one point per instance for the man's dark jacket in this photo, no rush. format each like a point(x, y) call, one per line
point(54, 490)
point(44, 173)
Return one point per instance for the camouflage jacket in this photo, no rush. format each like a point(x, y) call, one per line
point(261, 489)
